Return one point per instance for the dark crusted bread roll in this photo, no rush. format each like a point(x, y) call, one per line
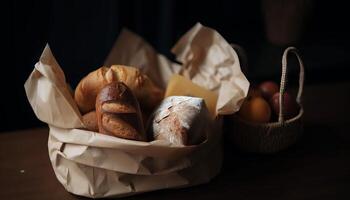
point(118, 112)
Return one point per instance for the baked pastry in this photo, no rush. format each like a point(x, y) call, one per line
point(180, 120)
point(146, 92)
point(90, 121)
point(87, 89)
point(118, 112)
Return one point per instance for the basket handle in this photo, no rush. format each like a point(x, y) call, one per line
point(284, 80)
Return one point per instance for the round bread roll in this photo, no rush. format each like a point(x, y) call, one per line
point(146, 92)
point(90, 121)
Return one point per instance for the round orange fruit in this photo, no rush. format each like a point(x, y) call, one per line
point(255, 109)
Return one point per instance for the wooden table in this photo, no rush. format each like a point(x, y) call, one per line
point(317, 167)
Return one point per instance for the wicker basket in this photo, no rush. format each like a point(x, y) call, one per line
point(275, 136)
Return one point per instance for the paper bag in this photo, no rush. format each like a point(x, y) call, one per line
point(96, 165)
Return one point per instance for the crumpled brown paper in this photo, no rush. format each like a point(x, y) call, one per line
point(96, 165)
point(207, 59)
point(211, 62)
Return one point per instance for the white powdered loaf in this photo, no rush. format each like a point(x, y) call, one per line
point(180, 120)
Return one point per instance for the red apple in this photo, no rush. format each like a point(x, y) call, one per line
point(290, 106)
point(268, 89)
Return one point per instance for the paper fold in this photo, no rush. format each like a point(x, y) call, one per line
point(130, 49)
point(49, 95)
point(211, 62)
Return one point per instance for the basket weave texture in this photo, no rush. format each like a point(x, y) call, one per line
point(275, 136)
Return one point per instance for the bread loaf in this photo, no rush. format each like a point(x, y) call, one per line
point(145, 91)
point(118, 112)
point(90, 121)
point(180, 120)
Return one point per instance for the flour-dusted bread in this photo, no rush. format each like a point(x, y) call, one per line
point(180, 120)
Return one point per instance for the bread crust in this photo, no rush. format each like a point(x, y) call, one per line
point(90, 121)
point(147, 93)
point(118, 112)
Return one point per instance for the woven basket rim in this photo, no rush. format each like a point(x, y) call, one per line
point(272, 124)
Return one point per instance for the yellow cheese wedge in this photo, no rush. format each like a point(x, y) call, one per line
point(181, 86)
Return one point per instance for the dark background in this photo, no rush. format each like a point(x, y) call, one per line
point(81, 34)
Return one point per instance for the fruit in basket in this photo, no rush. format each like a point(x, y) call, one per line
point(268, 89)
point(255, 109)
point(254, 92)
point(290, 106)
